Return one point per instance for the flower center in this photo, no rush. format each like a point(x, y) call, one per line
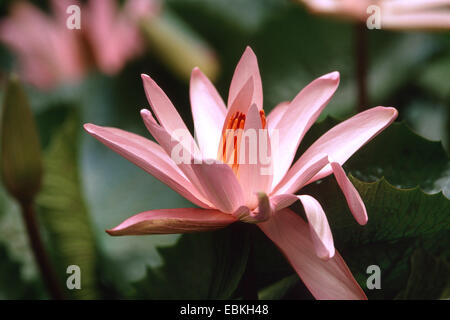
point(231, 139)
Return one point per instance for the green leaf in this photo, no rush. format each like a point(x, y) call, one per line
point(433, 75)
point(199, 266)
point(12, 284)
point(404, 158)
point(279, 289)
point(400, 220)
point(428, 118)
point(64, 213)
point(428, 278)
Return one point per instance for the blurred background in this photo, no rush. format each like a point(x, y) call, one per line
point(71, 77)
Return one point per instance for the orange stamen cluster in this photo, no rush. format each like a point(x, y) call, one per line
point(231, 138)
point(262, 115)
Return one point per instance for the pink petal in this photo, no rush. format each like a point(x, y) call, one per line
point(318, 223)
point(247, 68)
point(114, 38)
point(319, 227)
point(165, 112)
point(322, 6)
point(220, 185)
point(149, 156)
point(138, 9)
point(176, 149)
point(427, 20)
point(242, 102)
point(281, 201)
point(302, 112)
point(208, 111)
point(241, 212)
point(166, 221)
point(255, 165)
point(401, 6)
point(298, 179)
point(276, 114)
point(48, 52)
point(342, 141)
point(329, 279)
point(352, 196)
point(59, 8)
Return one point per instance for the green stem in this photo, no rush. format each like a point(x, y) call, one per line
point(50, 280)
point(249, 290)
point(361, 65)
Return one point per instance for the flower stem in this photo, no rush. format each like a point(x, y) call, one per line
point(249, 290)
point(50, 280)
point(361, 64)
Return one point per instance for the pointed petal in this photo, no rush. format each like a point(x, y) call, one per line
point(247, 68)
point(352, 196)
point(177, 151)
point(343, 140)
point(319, 227)
point(325, 279)
point(149, 156)
point(166, 221)
point(281, 201)
point(220, 185)
point(165, 112)
point(208, 111)
point(318, 223)
point(299, 178)
point(276, 114)
point(300, 115)
point(255, 165)
point(242, 102)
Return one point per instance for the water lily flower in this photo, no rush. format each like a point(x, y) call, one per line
point(49, 53)
point(228, 190)
point(394, 14)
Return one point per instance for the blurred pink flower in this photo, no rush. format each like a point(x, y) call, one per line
point(395, 14)
point(114, 35)
point(47, 51)
point(228, 190)
point(50, 54)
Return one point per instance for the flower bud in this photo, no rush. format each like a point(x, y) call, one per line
point(21, 162)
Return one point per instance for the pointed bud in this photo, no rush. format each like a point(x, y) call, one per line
point(21, 162)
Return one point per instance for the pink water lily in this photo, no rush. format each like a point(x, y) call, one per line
point(395, 14)
point(50, 54)
point(228, 191)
